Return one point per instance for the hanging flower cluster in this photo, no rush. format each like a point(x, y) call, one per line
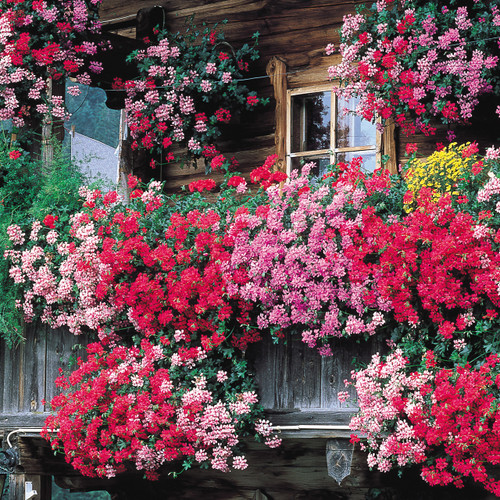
point(188, 90)
point(445, 420)
point(40, 40)
point(330, 262)
point(167, 398)
point(301, 261)
point(167, 381)
point(421, 60)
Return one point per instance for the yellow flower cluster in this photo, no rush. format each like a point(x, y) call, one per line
point(441, 171)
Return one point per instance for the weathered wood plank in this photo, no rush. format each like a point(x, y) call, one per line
point(16, 486)
point(11, 368)
point(291, 375)
point(34, 363)
point(24, 420)
point(339, 417)
point(337, 369)
point(306, 376)
point(61, 354)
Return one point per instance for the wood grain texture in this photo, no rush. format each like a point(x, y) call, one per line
point(389, 147)
point(16, 487)
point(290, 375)
point(28, 371)
point(277, 71)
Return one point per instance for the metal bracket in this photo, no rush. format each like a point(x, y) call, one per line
point(29, 492)
point(8, 459)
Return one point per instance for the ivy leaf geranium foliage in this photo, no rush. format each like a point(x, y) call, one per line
point(420, 60)
point(188, 89)
point(41, 40)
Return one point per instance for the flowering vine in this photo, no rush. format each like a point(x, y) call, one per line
point(188, 89)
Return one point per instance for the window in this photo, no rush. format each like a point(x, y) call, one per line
point(319, 130)
point(94, 133)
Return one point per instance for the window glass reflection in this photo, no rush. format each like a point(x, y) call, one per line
point(352, 130)
point(311, 116)
point(369, 159)
point(322, 164)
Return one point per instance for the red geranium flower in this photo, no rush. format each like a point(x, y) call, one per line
point(50, 221)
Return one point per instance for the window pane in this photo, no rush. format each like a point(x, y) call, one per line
point(322, 164)
point(352, 131)
point(311, 115)
point(93, 141)
point(90, 115)
point(369, 158)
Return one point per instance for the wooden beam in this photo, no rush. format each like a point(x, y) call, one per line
point(276, 69)
point(16, 487)
point(389, 146)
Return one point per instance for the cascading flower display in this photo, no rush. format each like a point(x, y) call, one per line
point(41, 40)
point(405, 58)
point(164, 401)
point(187, 91)
point(445, 420)
point(176, 289)
point(436, 264)
point(167, 384)
point(301, 262)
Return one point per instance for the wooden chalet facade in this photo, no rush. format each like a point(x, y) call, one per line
point(297, 387)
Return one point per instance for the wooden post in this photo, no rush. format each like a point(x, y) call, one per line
point(389, 146)
point(124, 158)
point(16, 487)
point(51, 129)
point(276, 69)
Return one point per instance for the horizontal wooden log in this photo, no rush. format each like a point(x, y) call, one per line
point(278, 417)
point(295, 469)
point(13, 421)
